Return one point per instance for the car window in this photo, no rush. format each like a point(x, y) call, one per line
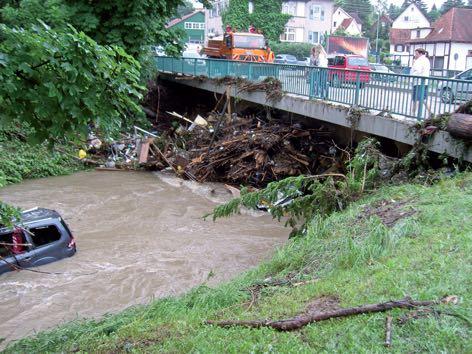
point(466, 75)
point(291, 57)
point(358, 61)
point(339, 61)
point(44, 235)
point(279, 57)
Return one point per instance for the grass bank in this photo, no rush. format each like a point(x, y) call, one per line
point(406, 240)
point(20, 160)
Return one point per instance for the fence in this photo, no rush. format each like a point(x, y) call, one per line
point(410, 96)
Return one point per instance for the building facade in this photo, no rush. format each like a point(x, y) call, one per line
point(213, 22)
point(310, 22)
point(449, 42)
point(193, 25)
point(412, 21)
point(343, 20)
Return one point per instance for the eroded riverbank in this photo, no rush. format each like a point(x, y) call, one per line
point(139, 237)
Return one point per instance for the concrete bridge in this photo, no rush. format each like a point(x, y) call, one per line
point(376, 105)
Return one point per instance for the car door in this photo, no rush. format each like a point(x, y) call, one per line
point(10, 260)
point(464, 89)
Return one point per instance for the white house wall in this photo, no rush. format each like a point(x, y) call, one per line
point(338, 17)
point(411, 18)
point(462, 50)
point(303, 24)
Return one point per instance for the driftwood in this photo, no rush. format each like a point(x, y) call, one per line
point(305, 319)
point(459, 125)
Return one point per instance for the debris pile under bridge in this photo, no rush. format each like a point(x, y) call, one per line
point(228, 148)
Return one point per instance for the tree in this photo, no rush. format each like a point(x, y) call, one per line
point(449, 4)
point(266, 16)
point(434, 13)
point(394, 11)
point(184, 9)
point(131, 24)
point(58, 82)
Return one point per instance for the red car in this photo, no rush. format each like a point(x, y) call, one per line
point(348, 62)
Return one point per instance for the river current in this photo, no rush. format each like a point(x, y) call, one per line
point(140, 236)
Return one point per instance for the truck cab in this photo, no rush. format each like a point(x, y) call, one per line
point(239, 46)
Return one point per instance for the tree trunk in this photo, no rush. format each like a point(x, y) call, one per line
point(305, 319)
point(460, 126)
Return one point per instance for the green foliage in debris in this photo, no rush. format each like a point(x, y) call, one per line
point(8, 214)
point(60, 81)
point(267, 17)
point(349, 256)
point(303, 197)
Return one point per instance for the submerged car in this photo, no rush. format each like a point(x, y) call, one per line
point(451, 91)
point(40, 237)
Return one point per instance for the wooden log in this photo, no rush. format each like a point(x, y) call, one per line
point(460, 126)
point(305, 319)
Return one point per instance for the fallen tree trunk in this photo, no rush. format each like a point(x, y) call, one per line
point(459, 125)
point(303, 320)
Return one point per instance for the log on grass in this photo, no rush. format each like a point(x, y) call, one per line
point(305, 319)
point(459, 125)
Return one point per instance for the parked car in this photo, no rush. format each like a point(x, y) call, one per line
point(379, 71)
point(285, 59)
point(348, 62)
point(305, 61)
point(42, 237)
point(451, 91)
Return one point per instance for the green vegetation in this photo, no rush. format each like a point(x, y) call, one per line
point(60, 81)
point(21, 160)
point(299, 50)
point(267, 16)
point(354, 256)
point(131, 25)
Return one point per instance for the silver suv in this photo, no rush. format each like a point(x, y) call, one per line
point(40, 237)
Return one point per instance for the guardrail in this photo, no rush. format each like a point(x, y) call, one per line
point(406, 95)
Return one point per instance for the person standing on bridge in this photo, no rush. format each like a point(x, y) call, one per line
point(421, 67)
point(319, 58)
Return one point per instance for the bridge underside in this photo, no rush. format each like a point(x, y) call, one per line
point(397, 129)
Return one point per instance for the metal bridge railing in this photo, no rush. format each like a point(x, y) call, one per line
point(406, 95)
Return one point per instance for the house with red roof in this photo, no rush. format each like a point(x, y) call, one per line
point(449, 42)
point(411, 22)
point(350, 23)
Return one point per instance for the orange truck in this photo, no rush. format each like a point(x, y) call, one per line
point(239, 46)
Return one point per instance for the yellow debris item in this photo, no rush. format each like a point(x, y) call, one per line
point(82, 154)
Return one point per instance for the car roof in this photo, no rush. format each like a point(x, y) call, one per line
point(35, 214)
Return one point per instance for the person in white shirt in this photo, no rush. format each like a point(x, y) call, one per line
point(319, 58)
point(421, 67)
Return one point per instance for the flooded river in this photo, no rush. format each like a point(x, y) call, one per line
point(139, 236)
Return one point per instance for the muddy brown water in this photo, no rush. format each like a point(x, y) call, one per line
point(140, 236)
